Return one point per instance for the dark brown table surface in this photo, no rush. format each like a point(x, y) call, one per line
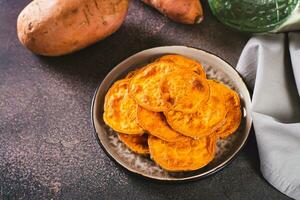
point(47, 145)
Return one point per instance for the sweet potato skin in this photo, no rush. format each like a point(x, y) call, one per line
point(58, 27)
point(183, 11)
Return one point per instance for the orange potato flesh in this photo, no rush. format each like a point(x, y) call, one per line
point(120, 110)
point(182, 156)
point(185, 91)
point(185, 63)
point(206, 120)
point(233, 116)
point(145, 86)
point(155, 123)
point(136, 143)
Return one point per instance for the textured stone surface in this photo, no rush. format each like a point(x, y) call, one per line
point(48, 150)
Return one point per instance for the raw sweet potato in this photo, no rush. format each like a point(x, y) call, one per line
point(183, 11)
point(57, 27)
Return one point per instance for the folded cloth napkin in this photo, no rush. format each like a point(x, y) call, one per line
point(270, 65)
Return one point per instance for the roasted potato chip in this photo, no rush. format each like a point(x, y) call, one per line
point(185, 91)
point(185, 63)
point(233, 116)
point(182, 156)
point(145, 88)
point(155, 123)
point(136, 143)
point(206, 120)
point(120, 110)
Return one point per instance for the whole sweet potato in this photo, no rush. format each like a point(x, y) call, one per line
point(183, 11)
point(57, 27)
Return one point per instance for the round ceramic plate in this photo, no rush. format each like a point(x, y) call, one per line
point(216, 68)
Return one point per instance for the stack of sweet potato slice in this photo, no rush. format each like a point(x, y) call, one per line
point(170, 110)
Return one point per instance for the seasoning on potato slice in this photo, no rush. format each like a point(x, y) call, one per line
point(233, 116)
point(185, 62)
point(136, 143)
point(120, 110)
point(182, 156)
point(185, 91)
point(206, 120)
point(145, 88)
point(155, 123)
point(132, 73)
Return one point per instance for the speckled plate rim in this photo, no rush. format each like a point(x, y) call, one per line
point(119, 67)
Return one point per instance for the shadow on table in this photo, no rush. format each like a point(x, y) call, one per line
point(251, 152)
point(94, 62)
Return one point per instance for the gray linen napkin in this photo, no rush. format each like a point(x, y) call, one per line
point(271, 66)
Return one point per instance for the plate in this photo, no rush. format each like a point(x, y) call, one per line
point(216, 68)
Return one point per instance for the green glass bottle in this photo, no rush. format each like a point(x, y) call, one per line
point(257, 15)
